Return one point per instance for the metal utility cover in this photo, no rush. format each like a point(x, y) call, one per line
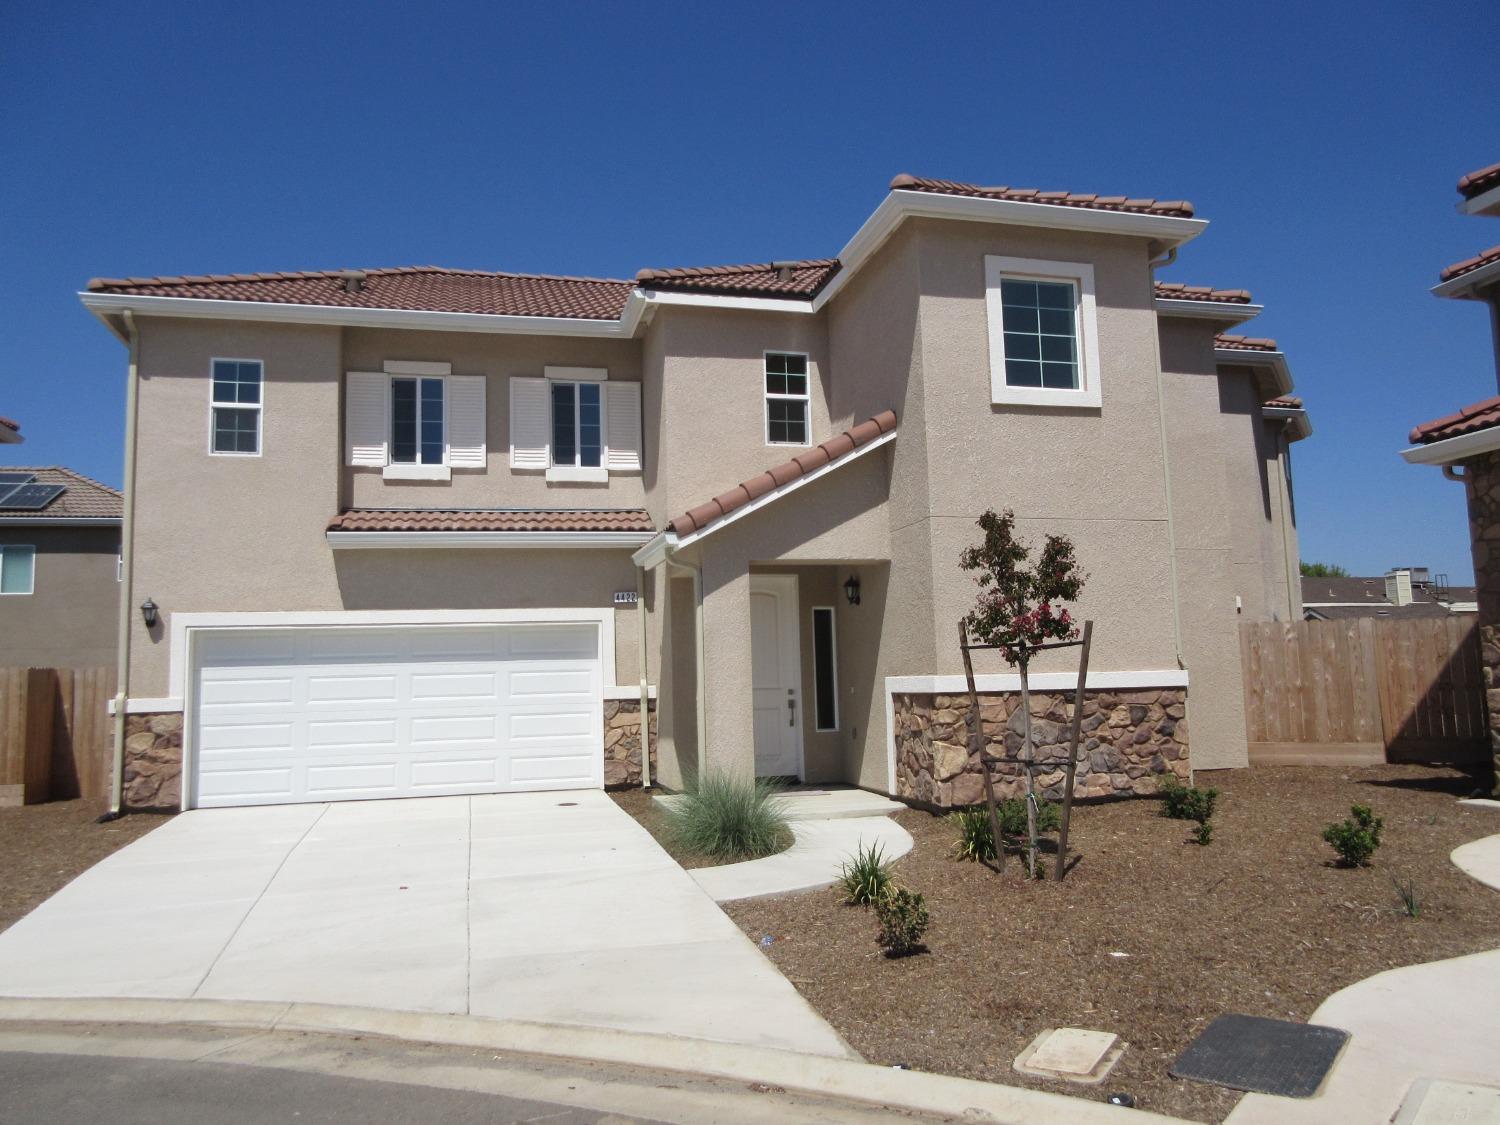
point(1261, 1055)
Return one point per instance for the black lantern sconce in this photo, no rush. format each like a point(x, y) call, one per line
point(148, 613)
point(851, 590)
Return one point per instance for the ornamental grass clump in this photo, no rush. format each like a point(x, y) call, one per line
point(866, 875)
point(903, 920)
point(728, 817)
point(975, 840)
point(1357, 838)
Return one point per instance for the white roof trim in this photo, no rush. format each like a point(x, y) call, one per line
point(1040, 681)
point(1485, 203)
point(1295, 417)
point(1274, 362)
point(668, 541)
point(1226, 312)
point(1464, 286)
point(1452, 450)
point(618, 540)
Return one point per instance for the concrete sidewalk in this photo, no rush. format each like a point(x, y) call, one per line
point(1438, 1020)
point(812, 862)
point(549, 907)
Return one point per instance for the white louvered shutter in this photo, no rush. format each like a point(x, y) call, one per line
point(530, 423)
point(466, 433)
point(622, 427)
point(366, 411)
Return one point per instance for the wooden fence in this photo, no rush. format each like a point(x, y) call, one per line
point(1363, 691)
point(54, 733)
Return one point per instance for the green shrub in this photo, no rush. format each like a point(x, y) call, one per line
point(1357, 838)
point(903, 921)
point(1204, 833)
point(1186, 802)
point(730, 818)
point(866, 875)
point(976, 842)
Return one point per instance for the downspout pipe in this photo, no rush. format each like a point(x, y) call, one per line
point(640, 605)
point(127, 571)
point(1166, 470)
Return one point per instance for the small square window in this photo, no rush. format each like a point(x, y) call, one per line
point(17, 569)
point(236, 406)
point(787, 399)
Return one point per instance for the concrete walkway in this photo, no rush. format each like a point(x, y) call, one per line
point(549, 907)
point(812, 862)
point(1439, 1020)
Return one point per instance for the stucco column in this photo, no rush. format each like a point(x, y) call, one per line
point(1483, 488)
point(727, 677)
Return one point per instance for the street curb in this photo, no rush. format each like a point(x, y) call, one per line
point(859, 1082)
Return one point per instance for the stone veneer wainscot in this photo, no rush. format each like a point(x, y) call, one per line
point(1129, 740)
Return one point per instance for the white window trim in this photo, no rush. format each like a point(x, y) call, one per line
point(576, 473)
point(833, 641)
point(258, 407)
point(31, 589)
point(414, 470)
point(767, 396)
point(1081, 275)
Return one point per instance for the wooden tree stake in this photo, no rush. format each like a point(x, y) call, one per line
point(976, 744)
point(1072, 768)
point(1028, 759)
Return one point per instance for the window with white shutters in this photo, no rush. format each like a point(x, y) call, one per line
point(415, 417)
point(575, 424)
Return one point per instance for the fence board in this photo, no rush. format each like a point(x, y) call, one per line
point(1340, 691)
point(54, 733)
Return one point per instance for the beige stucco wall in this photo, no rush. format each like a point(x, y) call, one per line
point(71, 618)
point(219, 534)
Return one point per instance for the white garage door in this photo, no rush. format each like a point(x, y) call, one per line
point(328, 714)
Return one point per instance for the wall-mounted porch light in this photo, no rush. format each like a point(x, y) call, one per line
point(851, 590)
point(148, 613)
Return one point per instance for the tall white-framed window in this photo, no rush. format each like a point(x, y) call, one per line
point(825, 669)
point(1044, 339)
point(577, 424)
point(236, 403)
point(418, 420)
point(787, 399)
point(17, 568)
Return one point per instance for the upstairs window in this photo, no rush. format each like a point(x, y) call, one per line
point(17, 569)
point(417, 421)
point(1043, 336)
point(236, 407)
point(577, 425)
point(786, 399)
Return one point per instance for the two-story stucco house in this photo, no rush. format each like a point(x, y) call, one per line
point(422, 531)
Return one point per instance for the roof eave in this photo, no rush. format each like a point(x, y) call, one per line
point(1450, 451)
point(608, 540)
point(1273, 362)
point(1466, 286)
point(9, 436)
point(1222, 312)
point(1485, 203)
point(59, 521)
point(1298, 424)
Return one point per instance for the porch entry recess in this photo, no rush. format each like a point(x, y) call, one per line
point(776, 675)
point(1364, 691)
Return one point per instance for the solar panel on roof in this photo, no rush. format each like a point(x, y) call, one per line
point(17, 478)
point(31, 497)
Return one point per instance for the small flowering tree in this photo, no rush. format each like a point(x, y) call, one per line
point(1019, 610)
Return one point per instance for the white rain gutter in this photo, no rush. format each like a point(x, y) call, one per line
point(127, 569)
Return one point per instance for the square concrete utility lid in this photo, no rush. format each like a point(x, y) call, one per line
point(1071, 1053)
point(1433, 1101)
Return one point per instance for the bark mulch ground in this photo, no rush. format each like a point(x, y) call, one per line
point(44, 847)
point(1258, 922)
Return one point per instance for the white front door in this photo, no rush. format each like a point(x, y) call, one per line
point(776, 673)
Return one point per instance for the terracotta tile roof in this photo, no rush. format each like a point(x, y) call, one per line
point(1176, 291)
point(780, 279)
point(500, 519)
point(83, 498)
point(1176, 208)
point(414, 288)
point(1479, 181)
point(1285, 402)
point(1479, 416)
point(1244, 343)
point(1469, 265)
point(696, 519)
point(10, 425)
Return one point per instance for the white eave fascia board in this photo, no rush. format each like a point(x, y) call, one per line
point(103, 305)
point(1466, 285)
point(59, 521)
point(789, 487)
point(613, 540)
point(1274, 362)
point(1449, 451)
point(662, 544)
point(710, 300)
point(1225, 312)
point(1298, 423)
point(1485, 203)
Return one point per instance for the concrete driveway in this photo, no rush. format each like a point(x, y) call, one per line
point(549, 907)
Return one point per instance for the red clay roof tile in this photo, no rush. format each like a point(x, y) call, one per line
point(82, 498)
point(1479, 181)
point(1177, 291)
point(1234, 343)
point(501, 519)
point(696, 519)
point(778, 279)
point(411, 288)
point(1479, 416)
point(1469, 265)
point(1176, 208)
point(10, 425)
point(1285, 402)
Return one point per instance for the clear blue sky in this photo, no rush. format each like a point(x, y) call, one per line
point(1322, 140)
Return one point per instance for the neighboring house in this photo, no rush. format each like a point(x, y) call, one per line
point(1467, 444)
point(59, 569)
point(396, 521)
point(10, 432)
point(1402, 592)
